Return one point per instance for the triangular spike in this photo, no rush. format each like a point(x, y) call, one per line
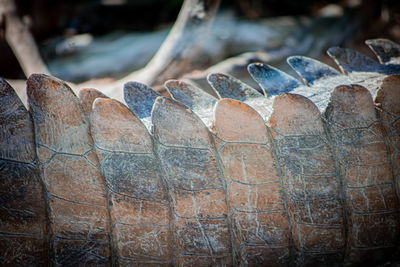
point(349, 60)
point(140, 98)
point(134, 179)
point(190, 95)
point(311, 70)
point(22, 206)
point(201, 102)
point(272, 80)
point(77, 202)
point(87, 97)
point(227, 86)
point(386, 50)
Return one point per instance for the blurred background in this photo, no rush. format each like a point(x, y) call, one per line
point(105, 40)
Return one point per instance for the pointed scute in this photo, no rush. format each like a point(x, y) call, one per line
point(190, 95)
point(272, 80)
point(386, 50)
point(349, 60)
point(114, 127)
point(16, 129)
point(227, 86)
point(87, 97)
point(176, 125)
point(311, 70)
point(180, 91)
point(351, 106)
point(140, 98)
point(295, 115)
point(60, 123)
point(234, 121)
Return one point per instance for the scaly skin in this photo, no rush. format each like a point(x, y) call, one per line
point(306, 174)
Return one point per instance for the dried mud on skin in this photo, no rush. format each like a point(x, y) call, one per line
point(79, 219)
point(22, 206)
point(200, 215)
point(257, 206)
point(371, 202)
point(310, 181)
point(140, 209)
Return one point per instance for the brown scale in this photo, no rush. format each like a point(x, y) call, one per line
point(388, 99)
point(23, 232)
point(140, 209)
point(310, 180)
point(257, 206)
point(200, 214)
point(78, 213)
point(371, 204)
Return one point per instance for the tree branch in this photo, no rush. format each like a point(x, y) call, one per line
point(20, 40)
point(183, 43)
point(178, 51)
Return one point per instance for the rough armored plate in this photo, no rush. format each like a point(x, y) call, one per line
point(78, 215)
point(370, 195)
point(140, 207)
point(311, 183)
point(195, 185)
point(388, 100)
point(22, 206)
point(256, 202)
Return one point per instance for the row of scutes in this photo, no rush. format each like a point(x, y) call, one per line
point(302, 188)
